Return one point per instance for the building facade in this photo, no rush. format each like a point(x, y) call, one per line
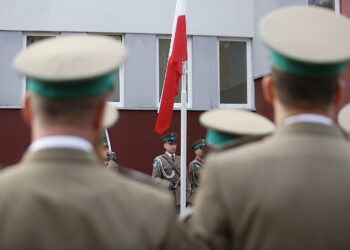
point(225, 66)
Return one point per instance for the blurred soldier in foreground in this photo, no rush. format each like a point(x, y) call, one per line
point(228, 128)
point(59, 196)
point(288, 191)
point(344, 119)
point(167, 170)
point(195, 166)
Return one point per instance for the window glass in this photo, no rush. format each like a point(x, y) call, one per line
point(34, 39)
point(323, 3)
point(115, 96)
point(233, 72)
point(164, 46)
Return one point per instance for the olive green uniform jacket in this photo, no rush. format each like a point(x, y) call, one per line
point(65, 199)
point(194, 170)
point(289, 191)
point(164, 173)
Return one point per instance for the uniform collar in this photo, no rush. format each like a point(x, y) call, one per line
point(170, 154)
point(61, 141)
point(309, 128)
point(309, 118)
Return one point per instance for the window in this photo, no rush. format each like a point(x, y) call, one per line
point(36, 38)
point(330, 4)
point(235, 74)
point(162, 61)
point(117, 96)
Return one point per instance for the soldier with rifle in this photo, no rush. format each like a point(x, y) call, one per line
point(194, 168)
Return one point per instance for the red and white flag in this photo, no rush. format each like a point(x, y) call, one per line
point(177, 54)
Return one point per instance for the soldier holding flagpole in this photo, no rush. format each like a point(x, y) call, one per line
point(175, 69)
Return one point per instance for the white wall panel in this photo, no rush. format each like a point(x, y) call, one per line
point(205, 17)
point(140, 72)
point(11, 84)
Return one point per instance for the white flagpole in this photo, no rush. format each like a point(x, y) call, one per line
point(108, 142)
point(183, 139)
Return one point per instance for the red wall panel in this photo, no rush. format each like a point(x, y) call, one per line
point(132, 138)
point(14, 136)
point(345, 7)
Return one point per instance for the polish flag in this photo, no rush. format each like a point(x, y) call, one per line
point(177, 54)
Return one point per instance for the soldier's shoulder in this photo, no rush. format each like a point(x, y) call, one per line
point(137, 196)
point(157, 161)
point(194, 162)
point(158, 158)
point(245, 155)
point(14, 172)
point(140, 177)
point(140, 185)
point(178, 157)
point(112, 164)
point(196, 165)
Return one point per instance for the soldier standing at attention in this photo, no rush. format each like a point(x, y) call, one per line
point(290, 190)
point(167, 169)
point(195, 166)
point(58, 196)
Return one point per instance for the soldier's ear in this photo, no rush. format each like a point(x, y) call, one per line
point(96, 122)
point(26, 111)
point(268, 89)
point(338, 93)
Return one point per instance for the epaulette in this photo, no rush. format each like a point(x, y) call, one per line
point(196, 165)
point(156, 161)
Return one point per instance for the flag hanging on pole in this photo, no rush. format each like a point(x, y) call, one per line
point(177, 54)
